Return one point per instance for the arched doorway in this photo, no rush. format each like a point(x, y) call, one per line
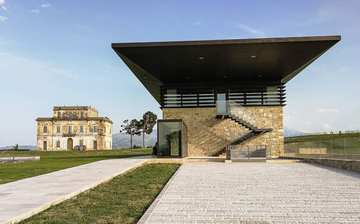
point(69, 144)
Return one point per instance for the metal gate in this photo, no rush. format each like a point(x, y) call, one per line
point(247, 153)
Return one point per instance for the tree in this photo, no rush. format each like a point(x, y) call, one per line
point(15, 147)
point(146, 124)
point(131, 128)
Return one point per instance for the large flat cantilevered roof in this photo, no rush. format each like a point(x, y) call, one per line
point(184, 63)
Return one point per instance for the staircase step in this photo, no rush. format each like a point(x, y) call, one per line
point(254, 130)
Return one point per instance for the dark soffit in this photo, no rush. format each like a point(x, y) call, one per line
point(273, 60)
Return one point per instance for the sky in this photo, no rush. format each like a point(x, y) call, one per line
point(55, 53)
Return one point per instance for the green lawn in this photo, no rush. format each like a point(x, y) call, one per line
point(124, 199)
point(316, 138)
point(56, 160)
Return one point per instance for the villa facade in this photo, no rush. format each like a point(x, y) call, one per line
point(221, 94)
point(74, 128)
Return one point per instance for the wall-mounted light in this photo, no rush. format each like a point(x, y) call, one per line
point(144, 76)
point(201, 58)
point(253, 56)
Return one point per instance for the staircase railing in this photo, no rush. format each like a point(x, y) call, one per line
point(231, 107)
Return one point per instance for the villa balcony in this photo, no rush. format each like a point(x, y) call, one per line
point(69, 134)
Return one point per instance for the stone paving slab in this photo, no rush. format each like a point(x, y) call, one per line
point(258, 193)
point(21, 199)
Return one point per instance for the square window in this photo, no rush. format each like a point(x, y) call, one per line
point(95, 128)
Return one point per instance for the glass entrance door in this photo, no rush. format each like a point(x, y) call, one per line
point(169, 139)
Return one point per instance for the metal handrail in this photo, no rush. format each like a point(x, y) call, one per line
point(236, 109)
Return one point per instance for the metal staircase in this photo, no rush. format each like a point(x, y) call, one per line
point(229, 113)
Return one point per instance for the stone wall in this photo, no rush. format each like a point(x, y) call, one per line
point(207, 135)
point(346, 164)
point(268, 117)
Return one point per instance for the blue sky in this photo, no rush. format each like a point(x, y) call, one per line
point(59, 53)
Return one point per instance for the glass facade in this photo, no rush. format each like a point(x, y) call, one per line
point(172, 138)
point(221, 106)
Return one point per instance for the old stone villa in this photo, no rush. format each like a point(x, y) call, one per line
point(74, 127)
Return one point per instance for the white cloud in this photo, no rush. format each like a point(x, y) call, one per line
point(4, 8)
point(307, 122)
point(329, 110)
point(45, 5)
point(354, 126)
point(328, 127)
point(197, 23)
point(17, 65)
point(3, 18)
point(2, 2)
point(251, 30)
point(35, 11)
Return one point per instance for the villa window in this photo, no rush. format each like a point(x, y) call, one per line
point(45, 129)
point(104, 129)
point(81, 128)
point(82, 114)
point(95, 128)
point(58, 144)
point(81, 142)
point(69, 129)
point(58, 128)
point(70, 115)
point(58, 114)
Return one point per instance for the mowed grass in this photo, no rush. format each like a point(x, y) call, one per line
point(123, 199)
point(57, 160)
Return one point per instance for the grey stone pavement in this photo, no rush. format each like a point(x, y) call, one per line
point(258, 193)
point(21, 199)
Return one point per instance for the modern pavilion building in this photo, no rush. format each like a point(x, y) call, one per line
point(221, 93)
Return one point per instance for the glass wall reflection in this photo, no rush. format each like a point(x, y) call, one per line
point(171, 139)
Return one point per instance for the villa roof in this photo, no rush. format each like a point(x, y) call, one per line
point(266, 60)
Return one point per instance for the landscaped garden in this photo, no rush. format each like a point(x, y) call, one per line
point(57, 160)
point(123, 199)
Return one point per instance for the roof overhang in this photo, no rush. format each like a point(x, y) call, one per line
point(272, 60)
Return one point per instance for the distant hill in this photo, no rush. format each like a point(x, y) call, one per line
point(31, 147)
point(289, 131)
point(122, 140)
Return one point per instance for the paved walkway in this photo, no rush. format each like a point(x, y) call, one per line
point(21, 199)
point(258, 193)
